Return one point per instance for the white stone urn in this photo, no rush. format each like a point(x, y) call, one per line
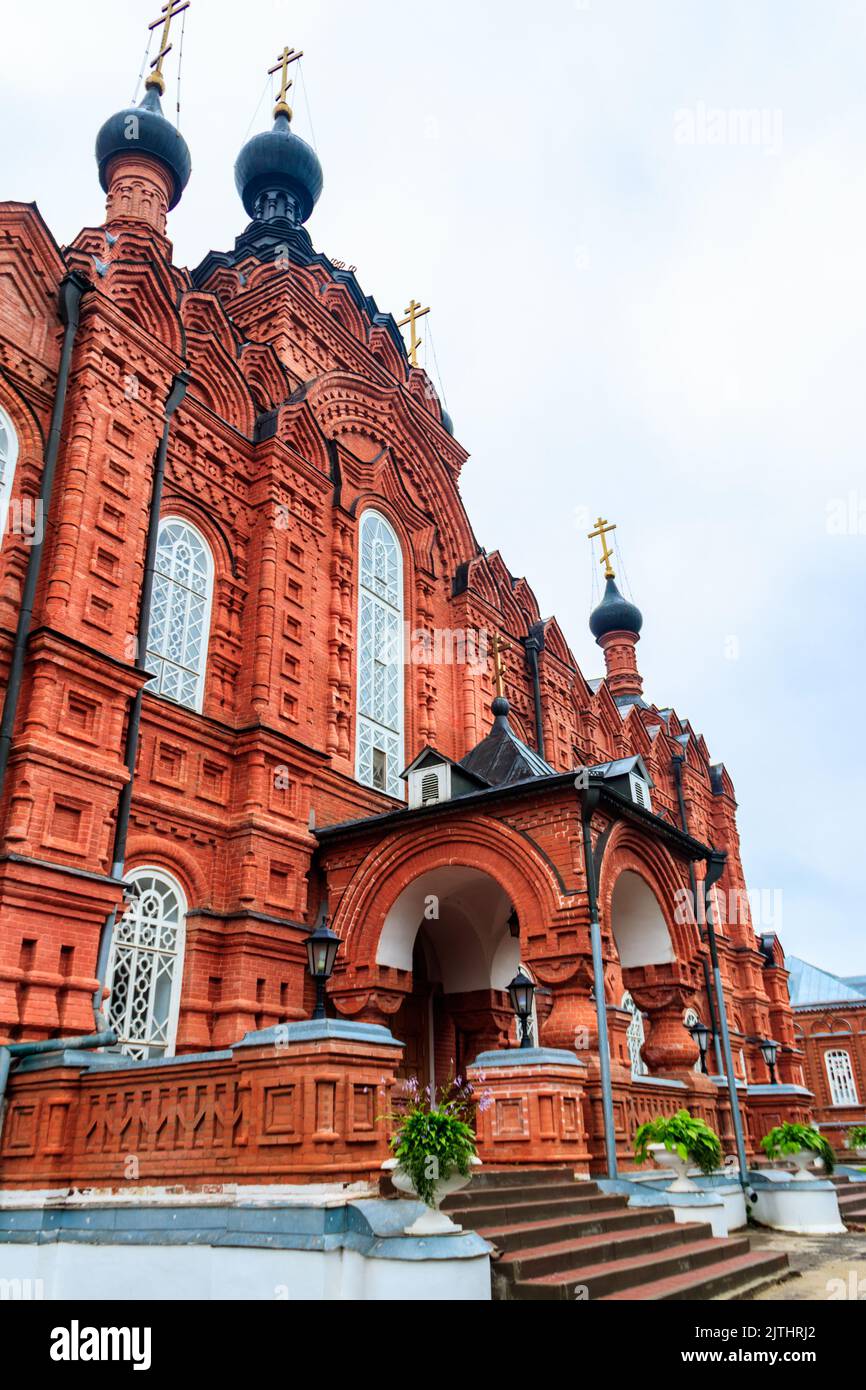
point(806, 1161)
point(858, 1153)
point(432, 1221)
point(663, 1158)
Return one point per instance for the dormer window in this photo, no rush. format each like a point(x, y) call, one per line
point(429, 785)
point(433, 778)
point(640, 792)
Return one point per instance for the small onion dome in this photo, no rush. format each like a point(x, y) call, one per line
point(144, 130)
point(277, 174)
point(614, 614)
point(447, 422)
point(500, 707)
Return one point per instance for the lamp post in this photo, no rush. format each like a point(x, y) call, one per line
point(700, 1034)
point(322, 948)
point(769, 1052)
point(522, 991)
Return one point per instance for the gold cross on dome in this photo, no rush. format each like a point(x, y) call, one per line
point(603, 530)
point(169, 12)
point(414, 313)
point(282, 65)
point(498, 664)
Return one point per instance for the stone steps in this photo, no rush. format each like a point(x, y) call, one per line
point(852, 1201)
point(557, 1238)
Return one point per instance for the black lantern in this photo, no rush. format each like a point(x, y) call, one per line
point(522, 991)
point(769, 1052)
point(700, 1034)
point(322, 948)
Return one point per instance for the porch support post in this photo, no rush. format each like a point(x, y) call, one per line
point(588, 805)
point(715, 869)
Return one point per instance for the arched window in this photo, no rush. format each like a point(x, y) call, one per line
point(379, 734)
point(180, 614)
point(840, 1074)
point(8, 459)
point(635, 1037)
point(146, 965)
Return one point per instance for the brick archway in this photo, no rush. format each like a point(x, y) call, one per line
point(365, 987)
point(655, 950)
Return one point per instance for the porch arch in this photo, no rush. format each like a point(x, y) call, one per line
point(522, 874)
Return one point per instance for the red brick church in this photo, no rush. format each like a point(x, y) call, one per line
point(259, 673)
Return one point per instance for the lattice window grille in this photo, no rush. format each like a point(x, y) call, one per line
point(635, 1037)
point(146, 966)
point(180, 614)
point(840, 1074)
point(8, 459)
point(380, 658)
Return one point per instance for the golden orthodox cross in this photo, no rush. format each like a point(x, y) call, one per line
point(169, 12)
point(414, 312)
point(603, 530)
point(498, 664)
point(282, 65)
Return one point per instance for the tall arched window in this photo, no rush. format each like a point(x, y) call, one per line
point(146, 965)
point(635, 1037)
point(379, 733)
point(840, 1074)
point(180, 614)
point(8, 459)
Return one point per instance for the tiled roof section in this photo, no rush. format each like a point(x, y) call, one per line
point(810, 985)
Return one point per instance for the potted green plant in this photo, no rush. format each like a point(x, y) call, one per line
point(857, 1141)
point(434, 1149)
point(802, 1144)
point(679, 1141)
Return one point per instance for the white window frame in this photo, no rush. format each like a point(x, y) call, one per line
point(640, 792)
point(393, 786)
point(842, 1082)
point(8, 466)
point(442, 774)
point(154, 686)
point(635, 1037)
point(145, 1047)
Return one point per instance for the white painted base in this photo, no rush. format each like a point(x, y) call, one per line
point(808, 1207)
point(162, 1273)
point(714, 1212)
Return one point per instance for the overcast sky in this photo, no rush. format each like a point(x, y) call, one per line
point(644, 306)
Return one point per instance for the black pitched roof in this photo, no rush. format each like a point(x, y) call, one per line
point(502, 757)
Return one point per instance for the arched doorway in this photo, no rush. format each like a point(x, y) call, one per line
point(455, 929)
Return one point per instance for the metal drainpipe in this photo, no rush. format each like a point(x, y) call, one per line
point(715, 868)
point(532, 646)
point(588, 805)
point(72, 287)
point(10, 1050)
point(677, 763)
point(133, 728)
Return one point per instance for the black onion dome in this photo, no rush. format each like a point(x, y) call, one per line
point(447, 422)
point(277, 174)
point(614, 614)
point(144, 130)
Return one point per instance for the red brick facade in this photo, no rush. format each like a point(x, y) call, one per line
point(835, 1029)
point(302, 413)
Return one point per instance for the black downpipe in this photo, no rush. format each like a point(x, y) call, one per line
point(677, 764)
point(133, 728)
point(532, 648)
point(72, 287)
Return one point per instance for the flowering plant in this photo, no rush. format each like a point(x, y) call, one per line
point(435, 1137)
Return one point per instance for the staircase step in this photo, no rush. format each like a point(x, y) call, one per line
point(518, 1210)
point(612, 1275)
point(535, 1261)
point(536, 1233)
point(751, 1270)
point(526, 1177)
point(470, 1198)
